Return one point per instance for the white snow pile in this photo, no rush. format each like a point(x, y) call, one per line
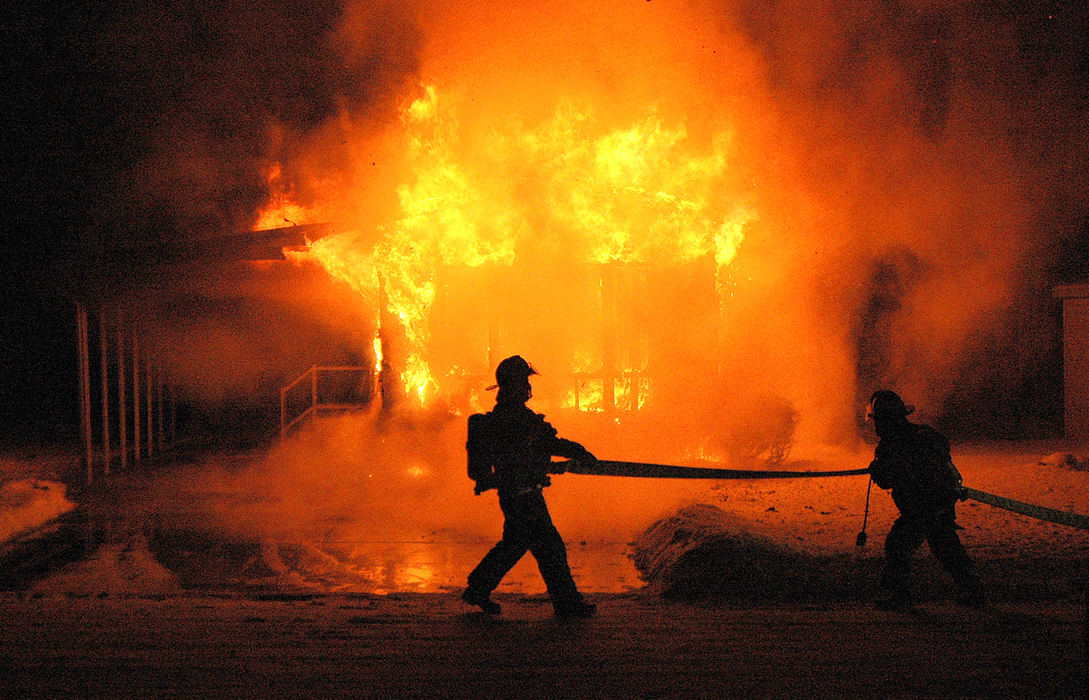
point(123, 566)
point(703, 552)
point(1066, 460)
point(26, 504)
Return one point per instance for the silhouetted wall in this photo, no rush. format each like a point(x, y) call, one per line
point(1075, 358)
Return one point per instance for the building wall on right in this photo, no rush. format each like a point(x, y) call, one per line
point(1075, 299)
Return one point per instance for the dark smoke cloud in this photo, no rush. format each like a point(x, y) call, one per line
point(135, 131)
point(144, 123)
point(1010, 80)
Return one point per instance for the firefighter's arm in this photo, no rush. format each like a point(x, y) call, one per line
point(956, 482)
point(484, 485)
point(887, 467)
point(571, 450)
point(879, 472)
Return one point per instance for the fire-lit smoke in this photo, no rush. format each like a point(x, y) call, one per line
point(898, 184)
point(755, 212)
point(713, 228)
point(372, 478)
point(222, 98)
point(791, 206)
point(231, 342)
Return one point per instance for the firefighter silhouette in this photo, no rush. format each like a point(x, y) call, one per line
point(914, 461)
point(510, 449)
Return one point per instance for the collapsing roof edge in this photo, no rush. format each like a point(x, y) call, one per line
point(267, 244)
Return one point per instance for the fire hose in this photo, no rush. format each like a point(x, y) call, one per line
point(1051, 515)
point(669, 471)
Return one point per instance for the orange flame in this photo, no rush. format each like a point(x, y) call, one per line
point(632, 195)
point(281, 207)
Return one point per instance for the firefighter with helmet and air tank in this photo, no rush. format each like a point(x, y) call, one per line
point(913, 461)
point(510, 449)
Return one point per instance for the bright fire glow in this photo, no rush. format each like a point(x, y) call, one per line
point(376, 347)
point(281, 209)
point(600, 195)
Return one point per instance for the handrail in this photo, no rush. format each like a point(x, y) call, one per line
point(315, 404)
point(302, 376)
point(284, 427)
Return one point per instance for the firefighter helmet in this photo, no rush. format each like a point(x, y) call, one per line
point(886, 404)
point(512, 371)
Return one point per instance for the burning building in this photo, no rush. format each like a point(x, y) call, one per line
point(603, 253)
point(667, 231)
point(714, 228)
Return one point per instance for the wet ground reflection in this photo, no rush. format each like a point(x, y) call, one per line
point(81, 553)
point(208, 560)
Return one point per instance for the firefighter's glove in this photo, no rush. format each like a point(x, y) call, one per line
point(483, 485)
point(586, 457)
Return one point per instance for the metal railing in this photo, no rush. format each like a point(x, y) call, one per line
point(323, 395)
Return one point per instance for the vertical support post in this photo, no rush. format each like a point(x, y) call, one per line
point(314, 389)
point(388, 388)
point(150, 424)
point(1085, 635)
point(160, 441)
point(376, 344)
point(173, 436)
point(104, 365)
point(721, 279)
point(136, 394)
point(639, 308)
point(122, 399)
point(85, 388)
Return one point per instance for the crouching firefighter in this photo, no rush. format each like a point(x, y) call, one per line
point(510, 449)
point(914, 461)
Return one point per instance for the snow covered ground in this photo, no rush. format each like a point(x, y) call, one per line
point(30, 496)
point(261, 574)
point(275, 522)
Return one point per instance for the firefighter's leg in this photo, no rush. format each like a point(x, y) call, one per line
point(549, 550)
point(505, 554)
point(902, 541)
point(551, 555)
point(947, 548)
point(495, 565)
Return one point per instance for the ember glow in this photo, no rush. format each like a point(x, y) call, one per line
point(281, 207)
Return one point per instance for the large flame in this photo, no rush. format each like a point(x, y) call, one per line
point(636, 195)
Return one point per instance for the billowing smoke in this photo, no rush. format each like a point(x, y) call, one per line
point(902, 168)
point(907, 171)
point(939, 138)
point(143, 128)
point(902, 179)
point(237, 342)
point(352, 484)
